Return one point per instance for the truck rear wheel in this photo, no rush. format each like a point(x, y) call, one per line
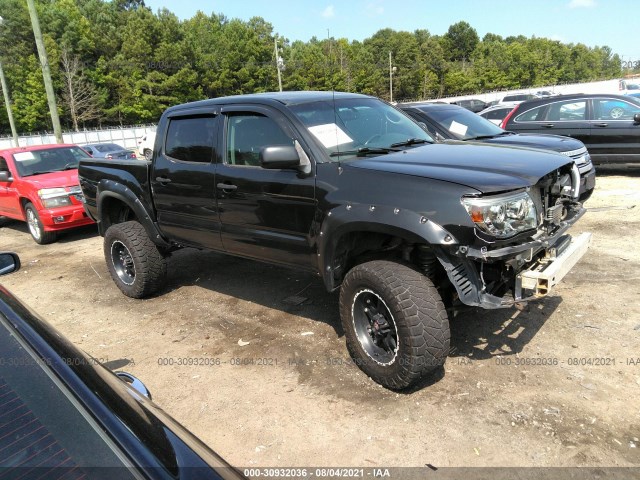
point(134, 261)
point(395, 323)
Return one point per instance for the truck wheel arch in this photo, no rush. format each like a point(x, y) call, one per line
point(405, 227)
point(117, 204)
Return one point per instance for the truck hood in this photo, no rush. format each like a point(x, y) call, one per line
point(487, 168)
point(556, 143)
point(66, 178)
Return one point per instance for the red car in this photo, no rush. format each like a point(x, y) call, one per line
point(39, 185)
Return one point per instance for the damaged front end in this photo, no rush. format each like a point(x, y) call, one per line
point(521, 249)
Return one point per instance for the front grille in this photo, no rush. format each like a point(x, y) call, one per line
point(581, 157)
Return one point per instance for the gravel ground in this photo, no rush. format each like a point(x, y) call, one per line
point(554, 384)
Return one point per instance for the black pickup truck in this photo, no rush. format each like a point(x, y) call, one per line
point(351, 189)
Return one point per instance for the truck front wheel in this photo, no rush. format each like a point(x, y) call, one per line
point(395, 323)
point(135, 263)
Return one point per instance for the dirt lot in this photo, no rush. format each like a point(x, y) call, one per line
point(556, 384)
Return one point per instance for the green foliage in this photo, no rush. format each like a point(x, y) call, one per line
point(460, 41)
point(134, 62)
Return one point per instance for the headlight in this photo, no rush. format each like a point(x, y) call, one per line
point(54, 197)
point(502, 216)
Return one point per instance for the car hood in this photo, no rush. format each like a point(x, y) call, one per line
point(556, 143)
point(66, 178)
point(487, 168)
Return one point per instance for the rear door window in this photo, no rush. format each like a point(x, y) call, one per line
point(190, 139)
point(567, 111)
point(532, 115)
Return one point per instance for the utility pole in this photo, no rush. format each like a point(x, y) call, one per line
point(7, 101)
point(46, 73)
point(392, 70)
point(279, 63)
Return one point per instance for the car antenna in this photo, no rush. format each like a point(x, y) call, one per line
point(333, 93)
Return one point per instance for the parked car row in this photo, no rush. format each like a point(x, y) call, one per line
point(450, 122)
point(109, 151)
point(607, 124)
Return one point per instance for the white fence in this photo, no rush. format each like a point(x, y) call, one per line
point(126, 137)
point(605, 86)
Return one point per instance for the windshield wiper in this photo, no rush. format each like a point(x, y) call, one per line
point(482, 137)
point(68, 166)
point(409, 142)
point(364, 151)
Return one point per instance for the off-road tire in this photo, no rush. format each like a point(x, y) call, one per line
point(36, 229)
point(134, 261)
point(416, 310)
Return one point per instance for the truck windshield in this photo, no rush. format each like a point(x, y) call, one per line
point(346, 127)
point(48, 160)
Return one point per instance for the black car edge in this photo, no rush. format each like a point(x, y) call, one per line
point(63, 414)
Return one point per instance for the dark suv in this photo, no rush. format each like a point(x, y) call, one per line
point(609, 125)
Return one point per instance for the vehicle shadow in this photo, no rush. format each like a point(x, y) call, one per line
point(482, 334)
point(279, 288)
point(475, 333)
point(627, 170)
point(478, 334)
point(65, 236)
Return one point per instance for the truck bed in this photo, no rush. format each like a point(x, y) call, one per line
point(94, 174)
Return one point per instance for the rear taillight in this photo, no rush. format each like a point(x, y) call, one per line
point(133, 155)
point(503, 124)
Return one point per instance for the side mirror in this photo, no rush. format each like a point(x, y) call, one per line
point(6, 177)
point(279, 157)
point(134, 383)
point(9, 262)
point(636, 118)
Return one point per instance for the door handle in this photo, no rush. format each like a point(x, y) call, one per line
point(601, 124)
point(548, 125)
point(227, 186)
point(163, 180)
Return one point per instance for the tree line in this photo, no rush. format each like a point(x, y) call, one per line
point(119, 63)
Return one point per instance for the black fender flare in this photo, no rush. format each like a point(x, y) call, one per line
point(110, 189)
point(414, 227)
